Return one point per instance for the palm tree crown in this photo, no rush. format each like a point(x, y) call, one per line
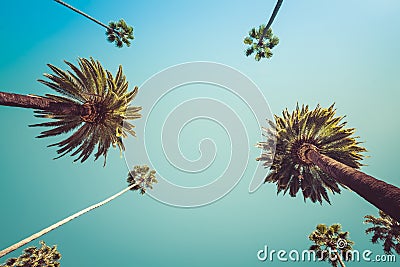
point(33, 256)
point(142, 178)
point(120, 33)
point(385, 229)
point(104, 101)
point(260, 43)
point(319, 127)
point(331, 244)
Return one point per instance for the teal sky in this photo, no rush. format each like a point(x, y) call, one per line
point(345, 52)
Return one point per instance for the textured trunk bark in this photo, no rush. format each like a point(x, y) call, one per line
point(384, 196)
point(39, 103)
point(271, 19)
point(62, 222)
point(340, 259)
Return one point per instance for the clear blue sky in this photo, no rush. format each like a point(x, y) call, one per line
point(330, 51)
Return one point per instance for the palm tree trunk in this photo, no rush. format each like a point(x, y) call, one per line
point(40, 103)
point(271, 19)
point(86, 15)
point(62, 222)
point(384, 196)
point(339, 259)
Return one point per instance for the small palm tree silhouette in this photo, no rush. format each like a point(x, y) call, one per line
point(118, 32)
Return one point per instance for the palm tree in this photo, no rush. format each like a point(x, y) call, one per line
point(33, 256)
point(385, 229)
point(118, 32)
point(93, 101)
point(331, 244)
point(314, 152)
point(140, 178)
point(262, 40)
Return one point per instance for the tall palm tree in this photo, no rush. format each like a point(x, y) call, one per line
point(314, 152)
point(93, 101)
point(33, 256)
point(118, 32)
point(331, 244)
point(385, 229)
point(140, 178)
point(262, 40)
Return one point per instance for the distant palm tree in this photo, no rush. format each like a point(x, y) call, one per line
point(315, 152)
point(262, 50)
point(261, 41)
point(44, 256)
point(140, 178)
point(118, 32)
point(385, 229)
point(331, 244)
point(93, 100)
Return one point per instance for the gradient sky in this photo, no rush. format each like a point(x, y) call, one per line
point(330, 51)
